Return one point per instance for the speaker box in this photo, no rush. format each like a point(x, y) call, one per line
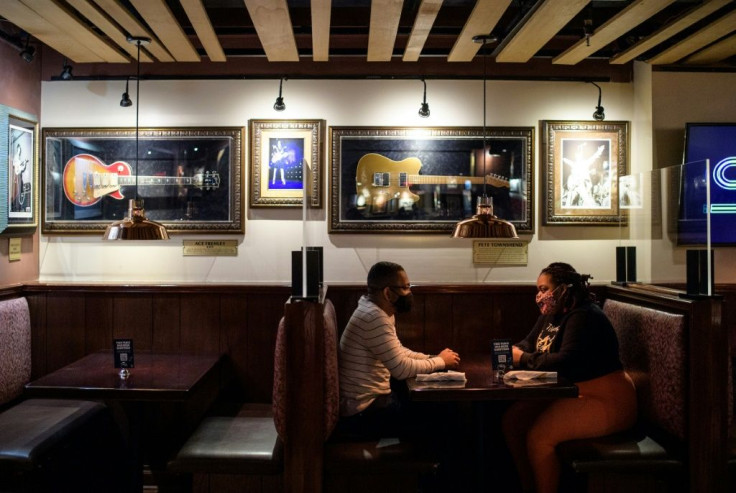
point(697, 273)
point(625, 264)
point(314, 273)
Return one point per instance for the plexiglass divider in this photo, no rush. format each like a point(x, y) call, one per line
point(665, 220)
point(308, 262)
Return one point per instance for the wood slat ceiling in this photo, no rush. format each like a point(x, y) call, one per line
point(380, 37)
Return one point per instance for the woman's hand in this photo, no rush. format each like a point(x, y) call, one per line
point(516, 355)
point(450, 357)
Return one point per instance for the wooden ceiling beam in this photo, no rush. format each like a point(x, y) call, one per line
point(547, 19)
point(384, 25)
point(27, 19)
point(623, 22)
point(203, 27)
point(72, 26)
point(272, 22)
point(426, 15)
point(709, 34)
point(99, 19)
point(125, 19)
point(714, 53)
point(482, 20)
point(321, 12)
point(158, 16)
point(666, 32)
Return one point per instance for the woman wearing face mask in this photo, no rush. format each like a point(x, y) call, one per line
point(574, 338)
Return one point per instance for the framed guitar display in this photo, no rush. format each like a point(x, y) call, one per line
point(424, 180)
point(19, 171)
point(189, 178)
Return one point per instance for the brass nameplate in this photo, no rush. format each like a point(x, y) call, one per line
point(500, 252)
point(211, 248)
point(14, 250)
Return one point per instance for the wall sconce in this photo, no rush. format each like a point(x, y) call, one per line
point(125, 102)
point(599, 115)
point(424, 108)
point(279, 104)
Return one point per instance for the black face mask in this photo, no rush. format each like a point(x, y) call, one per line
point(404, 303)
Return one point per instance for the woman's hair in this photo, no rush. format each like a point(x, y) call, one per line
point(578, 285)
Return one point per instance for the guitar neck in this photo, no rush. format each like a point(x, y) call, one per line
point(156, 180)
point(454, 180)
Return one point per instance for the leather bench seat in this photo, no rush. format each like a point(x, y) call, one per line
point(246, 443)
point(629, 451)
point(32, 428)
point(231, 445)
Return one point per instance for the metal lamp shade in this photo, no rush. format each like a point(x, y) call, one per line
point(135, 226)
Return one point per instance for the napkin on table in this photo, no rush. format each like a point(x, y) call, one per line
point(530, 375)
point(442, 376)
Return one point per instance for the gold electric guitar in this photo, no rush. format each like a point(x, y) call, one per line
point(379, 179)
point(87, 179)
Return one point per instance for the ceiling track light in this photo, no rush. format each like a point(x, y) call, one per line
point(125, 101)
point(424, 108)
point(66, 71)
point(28, 52)
point(484, 224)
point(599, 114)
point(279, 104)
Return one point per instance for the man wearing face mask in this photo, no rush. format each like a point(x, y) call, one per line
point(573, 337)
point(371, 356)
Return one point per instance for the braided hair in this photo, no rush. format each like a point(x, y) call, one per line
point(578, 285)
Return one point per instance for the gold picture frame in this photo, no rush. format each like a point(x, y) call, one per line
point(582, 165)
point(286, 155)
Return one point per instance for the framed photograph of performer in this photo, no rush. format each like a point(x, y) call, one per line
point(19, 153)
point(424, 180)
point(582, 165)
point(188, 178)
point(286, 162)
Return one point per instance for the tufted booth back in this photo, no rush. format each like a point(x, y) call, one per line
point(652, 345)
point(331, 404)
point(15, 348)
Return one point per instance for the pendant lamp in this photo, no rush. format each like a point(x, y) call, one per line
point(484, 224)
point(135, 226)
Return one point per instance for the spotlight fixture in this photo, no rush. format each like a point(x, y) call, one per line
point(125, 101)
point(599, 115)
point(28, 52)
point(66, 71)
point(279, 104)
point(136, 226)
point(424, 109)
point(484, 224)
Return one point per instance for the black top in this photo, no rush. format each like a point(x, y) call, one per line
point(580, 344)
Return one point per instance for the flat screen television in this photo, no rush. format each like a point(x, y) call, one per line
point(716, 142)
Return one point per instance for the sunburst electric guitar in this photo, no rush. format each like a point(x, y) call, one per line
point(87, 179)
point(379, 179)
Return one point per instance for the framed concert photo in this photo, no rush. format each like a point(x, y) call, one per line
point(19, 158)
point(189, 178)
point(286, 156)
point(424, 180)
point(582, 165)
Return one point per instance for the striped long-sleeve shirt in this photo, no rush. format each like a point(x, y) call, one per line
point(371, 353)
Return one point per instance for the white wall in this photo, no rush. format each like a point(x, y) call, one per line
point(271, 234)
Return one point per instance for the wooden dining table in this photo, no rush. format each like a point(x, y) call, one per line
point(483, 397)
point(482, 384)
point(156, 406)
